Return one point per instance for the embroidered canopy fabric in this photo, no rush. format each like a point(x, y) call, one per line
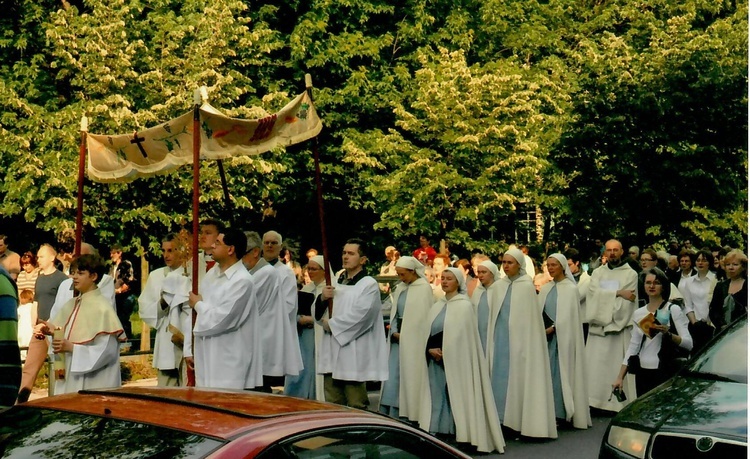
point(160, 149)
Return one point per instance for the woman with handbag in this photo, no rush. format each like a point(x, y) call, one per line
point(660, 326)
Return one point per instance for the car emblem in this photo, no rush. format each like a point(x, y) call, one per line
point(704, 444)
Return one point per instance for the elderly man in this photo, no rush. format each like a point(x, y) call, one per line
point(610, 302)
point(288, 293)
point(279, 338)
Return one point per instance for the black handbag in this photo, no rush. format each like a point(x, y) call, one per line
point(634, 361)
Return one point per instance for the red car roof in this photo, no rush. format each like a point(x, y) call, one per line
point(215, 413)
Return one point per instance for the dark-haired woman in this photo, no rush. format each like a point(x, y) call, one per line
point(29, 272)
point(648, 347)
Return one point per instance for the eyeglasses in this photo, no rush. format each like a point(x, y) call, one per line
point(652, 283)
point(647, 259)
point(270, 242)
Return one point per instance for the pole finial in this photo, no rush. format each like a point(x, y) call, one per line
point(84, 124)
point(308, 81)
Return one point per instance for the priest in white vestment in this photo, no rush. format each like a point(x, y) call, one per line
point(610, 303)
point(353, 350)
point(163, 306)
point(227, 347)
point(90, 328)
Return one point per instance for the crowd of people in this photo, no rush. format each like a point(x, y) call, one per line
point(473, 349)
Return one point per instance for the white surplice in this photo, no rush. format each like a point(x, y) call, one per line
point(356, 348)
point(227, 347)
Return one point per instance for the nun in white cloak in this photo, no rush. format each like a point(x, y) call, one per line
point(560, 302)
point(517, 353)
point(407, 368)
point(457, 393)
point(480, 298)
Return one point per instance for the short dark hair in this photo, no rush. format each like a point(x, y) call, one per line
point(115, 248)
point(237, 239)
point(573, 254)
point(362, 249)
point(169, 237)
point(91, 263)
point(213, 222)
point(666, 285)
point(4, 238)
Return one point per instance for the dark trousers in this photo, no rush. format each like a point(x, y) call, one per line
point(348, 393)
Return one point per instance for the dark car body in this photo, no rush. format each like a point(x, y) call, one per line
point(701, 412)
point(158, 422)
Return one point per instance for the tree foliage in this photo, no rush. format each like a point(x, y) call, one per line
point(613, 118)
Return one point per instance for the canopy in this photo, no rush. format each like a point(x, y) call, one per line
point(160, 149)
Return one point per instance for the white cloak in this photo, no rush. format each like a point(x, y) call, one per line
point(570, 350)
point(467, 376)
point(228, 348)
point(167, 356)
point(288, 293)
point(65, 292)
point(280, 340)
point(413, 335)
point(356, 348)
point(610, 326)
point(529, 407)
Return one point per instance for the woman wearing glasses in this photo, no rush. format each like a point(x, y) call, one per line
point(670, 324)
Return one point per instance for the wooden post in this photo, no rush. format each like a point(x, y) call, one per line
point(145, 329)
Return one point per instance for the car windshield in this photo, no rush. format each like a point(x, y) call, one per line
point(26, 432)
point(727, 356)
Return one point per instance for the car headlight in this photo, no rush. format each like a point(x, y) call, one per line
point(630, 441)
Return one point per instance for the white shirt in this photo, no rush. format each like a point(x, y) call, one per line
point(649, 353)
point(697, 292)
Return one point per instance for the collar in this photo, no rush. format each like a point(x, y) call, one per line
point(232, 270)
point(612, 265)
point(343, 280)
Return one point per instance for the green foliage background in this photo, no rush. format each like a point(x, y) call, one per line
point(615, 118)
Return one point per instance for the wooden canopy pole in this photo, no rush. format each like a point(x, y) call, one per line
point(196, 213)
point(81, 175)
point(319, 191)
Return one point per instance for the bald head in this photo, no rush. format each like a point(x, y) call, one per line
point(613, 250)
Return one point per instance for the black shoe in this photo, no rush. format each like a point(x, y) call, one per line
point(23, 395)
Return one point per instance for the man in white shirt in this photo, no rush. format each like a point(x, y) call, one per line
point(227, 339)
point(353, 350)
point(163, 306)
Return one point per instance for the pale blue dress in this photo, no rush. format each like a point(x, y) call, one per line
point(483, 319)
point(550, 307)
point(501, 357)
point(303, 384)
point(390, 394)
point(441, 419)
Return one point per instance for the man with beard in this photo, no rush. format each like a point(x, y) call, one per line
point(610, 302)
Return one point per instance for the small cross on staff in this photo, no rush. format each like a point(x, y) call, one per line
point(137, 140)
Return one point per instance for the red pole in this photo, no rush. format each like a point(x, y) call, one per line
point(81, 174)
point(196, 223)
point(319, 192)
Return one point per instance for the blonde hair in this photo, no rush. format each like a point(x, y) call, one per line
point(737, 255)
